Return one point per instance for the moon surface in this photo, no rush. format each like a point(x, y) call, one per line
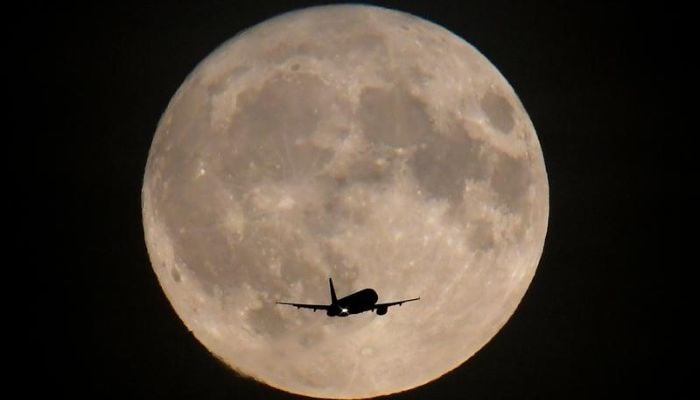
point(351, 142)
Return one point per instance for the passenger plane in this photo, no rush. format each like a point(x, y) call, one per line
point(358, 302)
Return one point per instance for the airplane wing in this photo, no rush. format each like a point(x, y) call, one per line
point(394, 303)
point(309, 306)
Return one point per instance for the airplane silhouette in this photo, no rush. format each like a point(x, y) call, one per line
point(358, 302)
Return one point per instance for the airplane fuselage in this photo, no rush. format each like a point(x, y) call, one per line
point(356, 303)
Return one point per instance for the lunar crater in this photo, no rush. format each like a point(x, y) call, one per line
point(498, 111)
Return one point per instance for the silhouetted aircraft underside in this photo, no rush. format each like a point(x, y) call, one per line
point(358, 302)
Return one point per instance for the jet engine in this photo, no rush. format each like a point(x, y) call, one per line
point(382, 310)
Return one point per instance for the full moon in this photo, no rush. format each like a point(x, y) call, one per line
point(352, 142)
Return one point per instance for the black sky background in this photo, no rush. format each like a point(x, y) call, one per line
point(595, 79)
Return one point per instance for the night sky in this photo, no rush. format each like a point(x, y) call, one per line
point(595, 82)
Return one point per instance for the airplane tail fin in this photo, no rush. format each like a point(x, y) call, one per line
point(333, 298)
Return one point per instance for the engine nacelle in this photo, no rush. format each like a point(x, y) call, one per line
point(382, 310)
